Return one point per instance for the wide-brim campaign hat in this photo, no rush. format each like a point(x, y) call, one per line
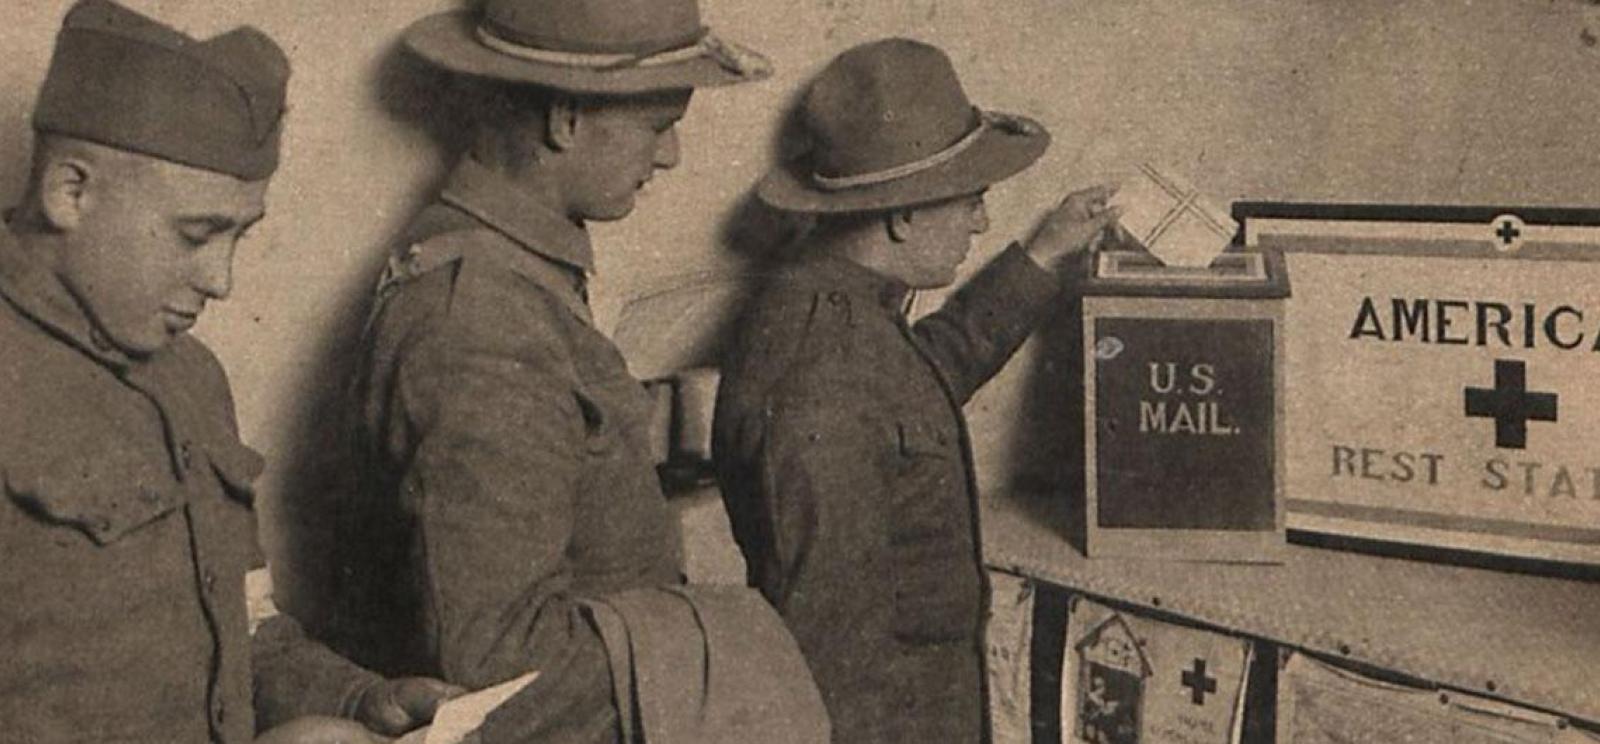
point(615, 47)
point(892, 127)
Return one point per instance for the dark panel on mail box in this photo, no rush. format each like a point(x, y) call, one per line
point(1184, 417)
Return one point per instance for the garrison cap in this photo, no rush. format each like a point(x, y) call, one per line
point(125, 81)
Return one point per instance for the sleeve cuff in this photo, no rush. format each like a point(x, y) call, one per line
point(355, 689)
point(1022, 278)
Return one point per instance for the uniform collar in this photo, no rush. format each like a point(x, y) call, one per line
point(38, 293)
point(500, 203)
point(842, 274)
point(166, 377)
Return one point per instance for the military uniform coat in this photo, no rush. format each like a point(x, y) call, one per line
point(846, 470)
point(505, 443)
point(126, 530)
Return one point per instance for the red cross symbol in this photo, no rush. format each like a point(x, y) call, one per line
point(1507, 230)
point(1510, 404)
point(1198, 683)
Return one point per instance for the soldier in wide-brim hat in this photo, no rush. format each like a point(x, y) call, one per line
point(839, 438)
point(502, 441)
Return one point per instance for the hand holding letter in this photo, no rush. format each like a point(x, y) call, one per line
point(1074, 226)
point(395, 706)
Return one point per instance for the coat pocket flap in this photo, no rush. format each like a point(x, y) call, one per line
point(103, 499)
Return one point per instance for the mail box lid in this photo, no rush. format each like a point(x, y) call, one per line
point(1234, 274)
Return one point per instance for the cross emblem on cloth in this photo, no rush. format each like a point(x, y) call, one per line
point(1510, 404)
point(1198, 683)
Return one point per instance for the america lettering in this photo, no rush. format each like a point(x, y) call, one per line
point(1523, 325)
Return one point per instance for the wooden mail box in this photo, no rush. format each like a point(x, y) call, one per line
point(1183, 398)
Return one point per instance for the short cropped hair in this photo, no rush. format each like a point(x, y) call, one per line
point(509, 122)
point(50, 148)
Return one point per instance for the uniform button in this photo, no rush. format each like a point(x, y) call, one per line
point(210, 580)
point(186, 456)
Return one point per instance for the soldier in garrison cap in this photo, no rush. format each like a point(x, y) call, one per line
point(841, 448)
point(126, 526)
point(509, 477)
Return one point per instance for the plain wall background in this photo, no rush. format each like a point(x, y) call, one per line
point(1430, 101)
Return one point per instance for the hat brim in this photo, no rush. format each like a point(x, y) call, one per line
point(996, 155)
point(449, 41)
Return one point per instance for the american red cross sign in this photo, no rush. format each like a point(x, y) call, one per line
point(1441, 383)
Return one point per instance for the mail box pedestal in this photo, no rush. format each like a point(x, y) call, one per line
point(1183, 386)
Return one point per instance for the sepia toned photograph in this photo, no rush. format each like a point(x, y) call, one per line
point(800, 372)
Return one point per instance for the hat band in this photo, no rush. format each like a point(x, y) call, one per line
point(730, 56)
point(986, 121)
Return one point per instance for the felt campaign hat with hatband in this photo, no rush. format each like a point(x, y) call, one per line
point(120, 79)
point(606, 47)
point(891, 127)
